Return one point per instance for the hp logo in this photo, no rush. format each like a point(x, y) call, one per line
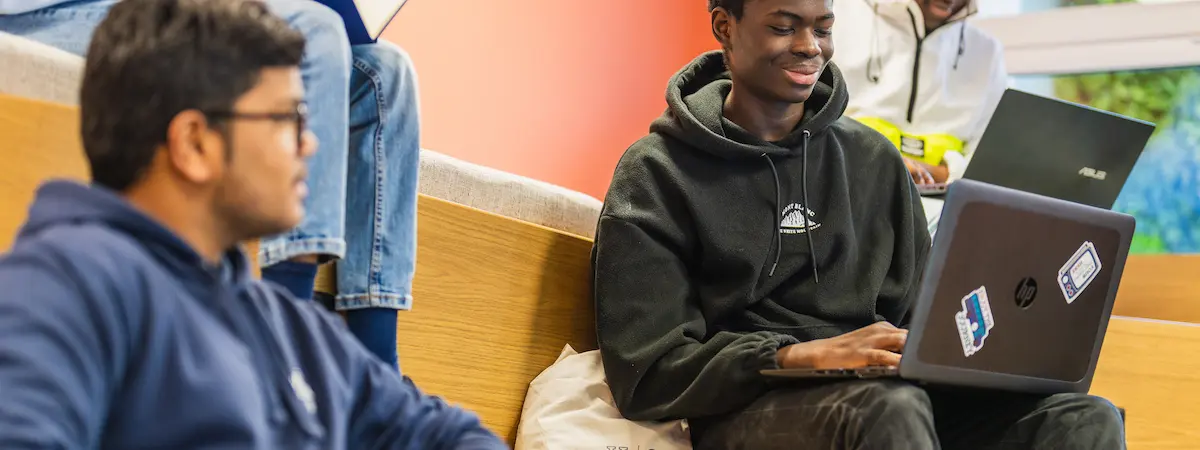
point(1026, 292)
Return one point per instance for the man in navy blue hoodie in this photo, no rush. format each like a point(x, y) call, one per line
point(128, 317)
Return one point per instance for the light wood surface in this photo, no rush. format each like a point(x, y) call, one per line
point(1151, 369)
point(37, 141)
point(495, 302)
point(1163, 287)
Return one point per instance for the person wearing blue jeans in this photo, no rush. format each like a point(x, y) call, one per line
point(364, 111)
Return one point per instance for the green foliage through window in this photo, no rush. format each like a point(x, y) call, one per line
point(1163, 192)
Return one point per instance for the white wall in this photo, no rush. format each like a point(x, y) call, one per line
point(1040, 38)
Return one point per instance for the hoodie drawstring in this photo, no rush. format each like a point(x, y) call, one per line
point(962, 42)
point(779, 225)
point(812, 252)
point(874, 61)
point(803, 213)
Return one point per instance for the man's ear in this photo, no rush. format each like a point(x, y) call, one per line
point(721, 23)
point(194, 150)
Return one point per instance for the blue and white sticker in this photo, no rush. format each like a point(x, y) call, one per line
point(975, 321)
point(1079, 271)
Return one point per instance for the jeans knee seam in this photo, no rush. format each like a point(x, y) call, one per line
point(375, 271)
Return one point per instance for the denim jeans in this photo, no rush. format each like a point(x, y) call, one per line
point(894, 414)
point(370, 136)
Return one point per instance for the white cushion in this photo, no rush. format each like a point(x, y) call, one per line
point(569, 406)
point(507, 194)
point(38, 71)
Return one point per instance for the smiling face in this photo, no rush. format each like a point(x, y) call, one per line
point(778, 48)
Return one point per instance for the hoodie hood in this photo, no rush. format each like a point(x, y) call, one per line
point(67, 203)
point(696, 115)
point(910, 11)
point(695, 111)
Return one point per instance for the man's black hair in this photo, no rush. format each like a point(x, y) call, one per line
point(149, 60)
point(733, 6)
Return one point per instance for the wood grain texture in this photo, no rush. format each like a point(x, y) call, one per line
point(1150, 368)
point(1163, 287)
point(37, 141)
point(495, 302)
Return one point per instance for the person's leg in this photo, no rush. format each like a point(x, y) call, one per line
point(66, 26)
point(869, 414)
point(375, 278)
point(975, 419)
point(291, 259)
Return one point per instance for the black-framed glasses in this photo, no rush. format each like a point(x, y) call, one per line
point(299, 117)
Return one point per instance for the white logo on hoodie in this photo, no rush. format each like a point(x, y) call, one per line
point(797, 219)
point(303, 391)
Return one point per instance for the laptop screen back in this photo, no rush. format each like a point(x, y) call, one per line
point(1000, 290)
point(1058, 149)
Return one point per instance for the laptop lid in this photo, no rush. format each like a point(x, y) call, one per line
point(376, 14)
point(365, 19)
point(1058, 149)
point(1018, 291)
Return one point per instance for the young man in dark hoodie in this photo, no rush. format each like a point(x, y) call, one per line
point(756, 228)
point(128, 316)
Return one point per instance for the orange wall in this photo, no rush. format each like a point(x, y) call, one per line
point(550, 89)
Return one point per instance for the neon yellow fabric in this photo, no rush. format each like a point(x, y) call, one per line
point(929, 148)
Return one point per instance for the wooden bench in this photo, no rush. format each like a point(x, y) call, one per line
point(1163, 287)
point(497, 299)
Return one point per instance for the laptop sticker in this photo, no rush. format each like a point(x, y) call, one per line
point(975, 321)
point(1079, 271)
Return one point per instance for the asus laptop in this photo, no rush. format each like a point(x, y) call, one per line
point(1056, 148)
point(365, 19)
point(1017, 294)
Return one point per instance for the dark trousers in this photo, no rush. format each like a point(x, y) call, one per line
point(893, 414)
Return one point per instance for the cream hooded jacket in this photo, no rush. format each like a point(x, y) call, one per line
point(948, 81)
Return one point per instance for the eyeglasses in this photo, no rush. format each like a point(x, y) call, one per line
point(299, 117)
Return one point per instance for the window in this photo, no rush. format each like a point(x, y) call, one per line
point(1163, 192)
point(994, 8)
point(1139, 58)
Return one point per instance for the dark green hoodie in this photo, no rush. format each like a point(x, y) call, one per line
point(699, 214)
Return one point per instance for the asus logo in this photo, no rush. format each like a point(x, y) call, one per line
point(1093, 173)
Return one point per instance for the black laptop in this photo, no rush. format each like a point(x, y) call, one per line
point(1017, 294)
point(1056, 148)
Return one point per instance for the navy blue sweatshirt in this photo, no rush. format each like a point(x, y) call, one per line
point(114, 333)
point(716, 248)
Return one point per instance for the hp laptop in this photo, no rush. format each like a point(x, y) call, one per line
point(1056, 148)
point(365, 19)
point(1017, 294)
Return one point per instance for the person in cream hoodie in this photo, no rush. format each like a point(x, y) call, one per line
point(922, 75)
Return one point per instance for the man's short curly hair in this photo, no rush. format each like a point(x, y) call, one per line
point(733, 6)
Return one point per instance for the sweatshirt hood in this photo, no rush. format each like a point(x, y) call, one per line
point(695, 115)
point(67, 203)
point(898, 8)
point(695, 111)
